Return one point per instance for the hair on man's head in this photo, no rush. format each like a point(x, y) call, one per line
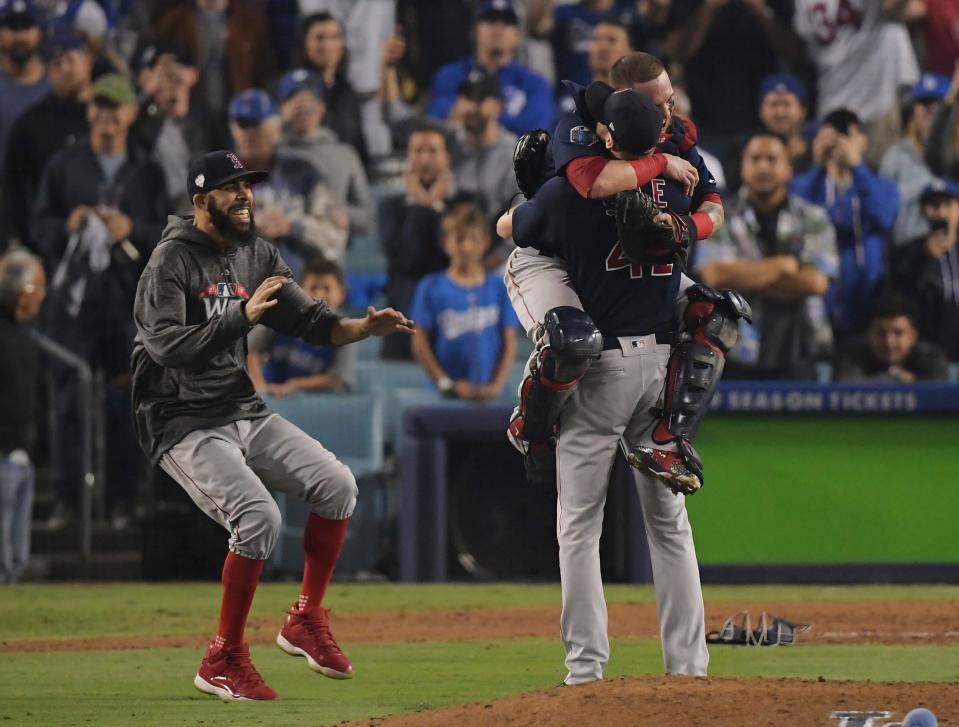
point(635, 68)
point(841, 120)
point(463, 217)
point(319, 265)
point(893, 304)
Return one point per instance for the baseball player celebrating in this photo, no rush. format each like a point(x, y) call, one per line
point(627, 286)
point(198, 415)
point(678, 181)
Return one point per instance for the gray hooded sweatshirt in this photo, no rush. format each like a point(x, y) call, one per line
point(189, 355)
point(341, 169)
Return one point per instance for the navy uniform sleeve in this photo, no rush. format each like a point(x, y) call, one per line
point(534, 221)
point(573, 139)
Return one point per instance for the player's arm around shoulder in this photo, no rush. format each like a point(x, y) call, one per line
point(531, 224)
point(709, 214)
point(714, 210)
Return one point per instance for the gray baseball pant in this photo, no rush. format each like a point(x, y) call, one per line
point(229, 470)
point(612, 404)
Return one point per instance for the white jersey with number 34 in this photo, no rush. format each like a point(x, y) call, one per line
point(862, 57)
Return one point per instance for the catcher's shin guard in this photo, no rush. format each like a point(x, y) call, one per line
point(710, 330)
point(571, 342)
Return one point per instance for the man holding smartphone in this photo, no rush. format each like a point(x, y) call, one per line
point(862, 206)
point(927, 269)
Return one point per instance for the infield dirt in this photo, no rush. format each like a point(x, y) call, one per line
point(833, 622)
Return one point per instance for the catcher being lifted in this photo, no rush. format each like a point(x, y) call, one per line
point(655, 231)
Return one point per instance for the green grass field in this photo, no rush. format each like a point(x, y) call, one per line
point(154, 686)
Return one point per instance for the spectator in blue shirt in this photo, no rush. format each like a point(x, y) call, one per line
point(280, 365)
point(465, 325)
point(863, 208)
point(527, 96)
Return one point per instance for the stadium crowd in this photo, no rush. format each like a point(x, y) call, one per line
point(388, 129)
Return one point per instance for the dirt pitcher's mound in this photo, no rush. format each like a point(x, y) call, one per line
point(686, 701)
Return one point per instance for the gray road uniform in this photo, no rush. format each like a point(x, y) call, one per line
point(633, 308)
point(196, 412)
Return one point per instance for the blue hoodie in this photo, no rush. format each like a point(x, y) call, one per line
point(863, 214)
point(527, 96)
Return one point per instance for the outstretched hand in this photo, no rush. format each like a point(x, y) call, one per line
point(387, 321)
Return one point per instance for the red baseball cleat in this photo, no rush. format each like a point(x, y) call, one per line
point(228, 673)
point(668, 467)
point(307, 633)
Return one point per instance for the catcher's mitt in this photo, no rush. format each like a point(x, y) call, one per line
point(529, 161)
point(643, 240)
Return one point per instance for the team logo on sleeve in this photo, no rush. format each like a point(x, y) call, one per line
point(216, 297)
point(582, 135)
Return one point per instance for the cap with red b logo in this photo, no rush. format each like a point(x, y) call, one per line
point(217, 169)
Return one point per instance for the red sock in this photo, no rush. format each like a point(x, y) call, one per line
point(240, 578)
point(322, 543)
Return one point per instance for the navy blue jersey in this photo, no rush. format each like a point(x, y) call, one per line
point(574, 137)
point(623, 298)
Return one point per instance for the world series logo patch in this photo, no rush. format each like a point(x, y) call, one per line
point(216, 296)
point(582, 135)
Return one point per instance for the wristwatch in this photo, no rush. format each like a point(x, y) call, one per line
point(444, 385)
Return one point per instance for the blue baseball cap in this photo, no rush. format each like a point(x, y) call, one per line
point(251, 106)
point(782, 83)
point(62, 40)
point(940, 187)
point(18, 13)
point(493, 10)
point(298, 80)
point(930, 87)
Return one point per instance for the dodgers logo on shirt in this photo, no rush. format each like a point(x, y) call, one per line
point(582, 135)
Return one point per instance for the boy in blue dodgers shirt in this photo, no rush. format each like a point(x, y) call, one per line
point(466, 328)
point(280, 365)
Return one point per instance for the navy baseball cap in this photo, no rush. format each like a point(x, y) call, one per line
point(497, 10)
point(150, 53)
point(297, 80)
point(253, 106)
point(18, 14)
point(632, 118)
point(930, 87)
point(216, 169)
point(61, 41)
point(940, 187)
point(782, 83)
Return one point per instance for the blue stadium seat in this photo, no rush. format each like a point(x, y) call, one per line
point(378, 376)
point(349, 425)
point(369, 348)
point(365, 255)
